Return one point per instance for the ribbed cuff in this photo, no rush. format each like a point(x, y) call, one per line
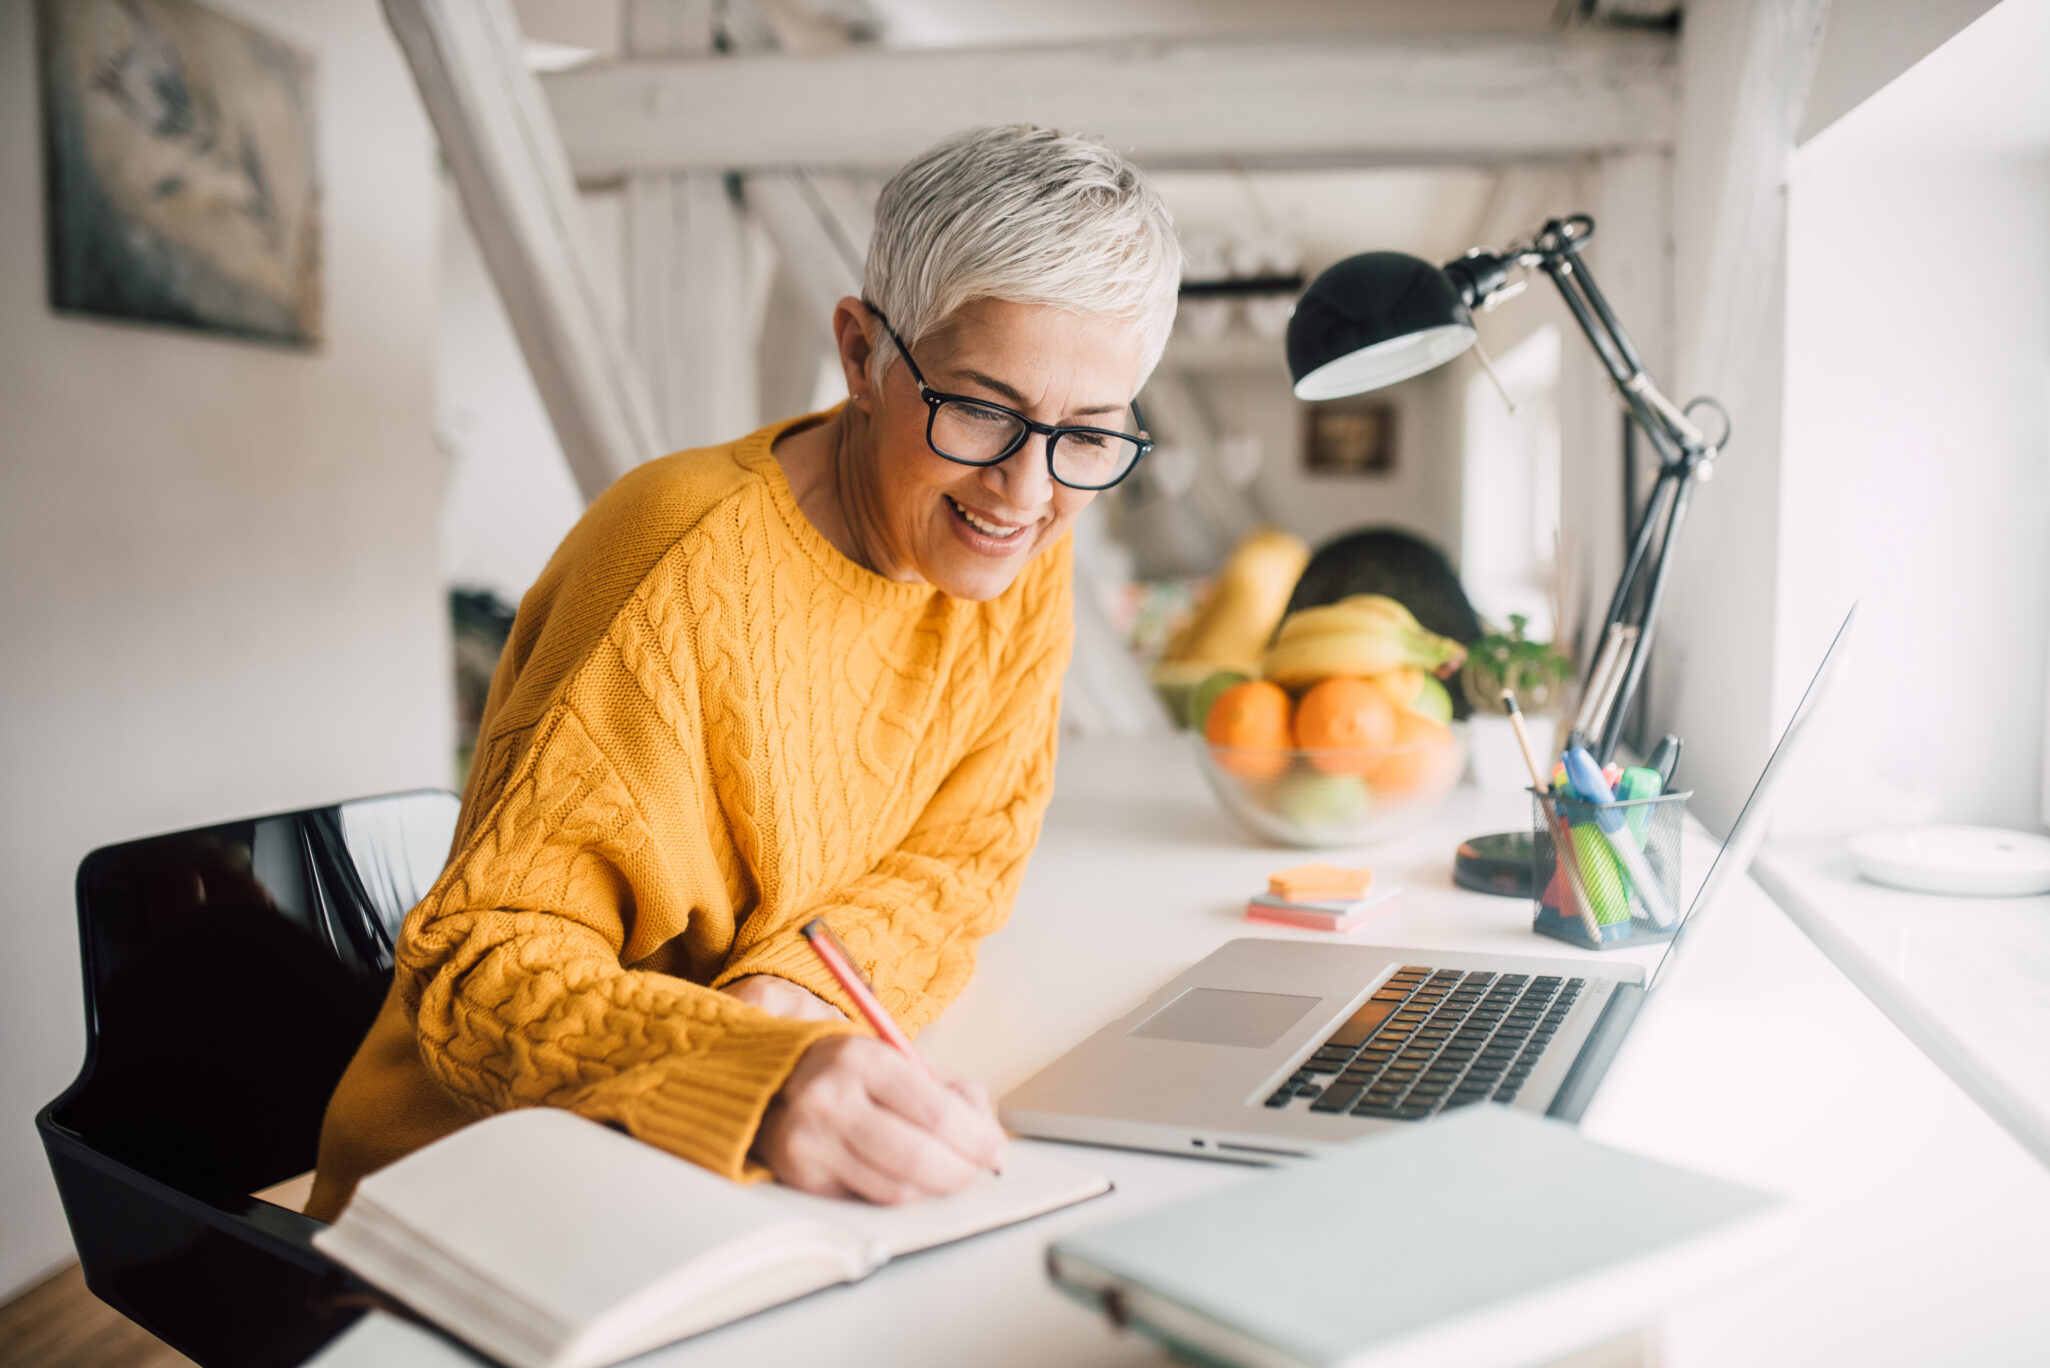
point(789, 957)
point(709, 1112)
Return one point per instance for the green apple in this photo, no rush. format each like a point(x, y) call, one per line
point(1432, 700)
point(1322, 800)
point(1206, 693)
point(1176, 683)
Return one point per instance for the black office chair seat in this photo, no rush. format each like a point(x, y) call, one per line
point(230, 973)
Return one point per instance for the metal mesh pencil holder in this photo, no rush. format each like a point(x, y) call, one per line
point(1620, 881)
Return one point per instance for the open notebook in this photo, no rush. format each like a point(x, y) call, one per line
point(549, 1241)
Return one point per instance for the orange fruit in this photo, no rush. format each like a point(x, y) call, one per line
point(1423, 763)
point(1252, 719)
point(1344, 713)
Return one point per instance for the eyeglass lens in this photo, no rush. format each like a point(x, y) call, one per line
point(974, 432)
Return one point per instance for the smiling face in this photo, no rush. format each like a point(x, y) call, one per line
point(968, 530)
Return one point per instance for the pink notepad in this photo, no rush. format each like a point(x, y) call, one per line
point(1320, 915)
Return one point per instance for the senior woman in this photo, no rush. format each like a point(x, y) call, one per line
point(812, 673)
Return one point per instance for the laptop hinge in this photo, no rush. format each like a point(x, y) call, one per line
point(1596, 1055)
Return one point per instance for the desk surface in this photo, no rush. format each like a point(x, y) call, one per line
point(1927, 1227)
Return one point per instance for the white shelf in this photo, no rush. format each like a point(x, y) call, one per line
point(1966, 979)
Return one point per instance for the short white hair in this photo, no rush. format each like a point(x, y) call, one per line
point(1028, 215)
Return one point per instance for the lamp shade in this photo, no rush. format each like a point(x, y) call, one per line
point(1371, 320)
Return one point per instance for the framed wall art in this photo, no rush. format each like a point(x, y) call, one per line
point(180, 170)
point(1349, 437)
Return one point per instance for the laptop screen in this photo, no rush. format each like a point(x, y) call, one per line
point(1749, 829)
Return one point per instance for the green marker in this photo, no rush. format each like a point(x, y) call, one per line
point(1639, 782)
point(1600, 875)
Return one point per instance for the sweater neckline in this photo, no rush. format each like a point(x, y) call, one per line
point(756, 453)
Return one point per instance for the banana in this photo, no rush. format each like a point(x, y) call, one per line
point(1293, 664)
point(1385, 606)
point(1355, 638)
point(1340, 618)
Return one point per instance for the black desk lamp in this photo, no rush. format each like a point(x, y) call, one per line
point(1380, 317)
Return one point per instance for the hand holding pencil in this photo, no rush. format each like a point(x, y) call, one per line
point(866, 1117)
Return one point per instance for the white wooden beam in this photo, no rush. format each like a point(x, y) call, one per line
point(797, 342)
point(509, 166)
point(1488, 99)
point(1748, 70)
point(820, 229)
point(686, 261)
point(689, 308)
point(1723, 308)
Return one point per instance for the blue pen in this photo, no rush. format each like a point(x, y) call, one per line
point(1589, 784)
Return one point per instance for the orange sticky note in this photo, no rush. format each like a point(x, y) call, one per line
point(1320, 881)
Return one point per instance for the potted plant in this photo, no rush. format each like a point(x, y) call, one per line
point(1508, 660)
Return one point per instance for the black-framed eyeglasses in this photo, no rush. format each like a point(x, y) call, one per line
point(975, 432)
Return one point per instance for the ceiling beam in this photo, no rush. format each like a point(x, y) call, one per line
point(1469, 99)
point(516, 191)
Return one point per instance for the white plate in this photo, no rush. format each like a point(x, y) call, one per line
point(1984, 861)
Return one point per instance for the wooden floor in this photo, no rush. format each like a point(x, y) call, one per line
point(59, 1324)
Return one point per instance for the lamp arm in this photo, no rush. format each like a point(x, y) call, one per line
point(1640, 545)
point(1676, 438)
point(1684, 450)
point(1640, 653)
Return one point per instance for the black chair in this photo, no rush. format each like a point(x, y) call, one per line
point(230, 973)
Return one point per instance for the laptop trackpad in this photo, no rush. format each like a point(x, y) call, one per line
point(1225, 1016)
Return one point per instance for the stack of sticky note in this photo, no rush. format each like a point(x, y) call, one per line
point(1320, 896)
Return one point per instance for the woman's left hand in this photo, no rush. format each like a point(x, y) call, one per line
point(780, 997)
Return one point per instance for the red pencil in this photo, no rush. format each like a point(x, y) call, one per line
point(840, 965)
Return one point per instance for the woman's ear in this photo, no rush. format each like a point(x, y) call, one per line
point(851, 320)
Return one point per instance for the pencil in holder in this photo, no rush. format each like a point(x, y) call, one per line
point(1607, 874)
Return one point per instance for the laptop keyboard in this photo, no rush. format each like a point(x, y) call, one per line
point(1433, 1039)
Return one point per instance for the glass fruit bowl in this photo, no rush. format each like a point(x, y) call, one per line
point(1333, 797)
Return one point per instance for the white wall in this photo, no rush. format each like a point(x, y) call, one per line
point(1421, 494)
point(1917, 459)
point(1509, 518)
point(219, 589)
point(1741, 622)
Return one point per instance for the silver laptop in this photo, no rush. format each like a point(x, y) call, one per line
point(1276, 1049)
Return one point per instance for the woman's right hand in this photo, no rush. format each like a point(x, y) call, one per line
point(855, 1118)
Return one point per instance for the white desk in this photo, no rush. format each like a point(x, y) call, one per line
point(1968, 979)
point(1928, 1228)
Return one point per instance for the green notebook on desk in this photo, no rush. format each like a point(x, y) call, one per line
point(1486, 1237)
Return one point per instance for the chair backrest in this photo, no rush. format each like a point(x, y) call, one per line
point(230, 973)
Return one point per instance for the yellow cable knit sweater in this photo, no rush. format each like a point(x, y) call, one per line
point(709, 727)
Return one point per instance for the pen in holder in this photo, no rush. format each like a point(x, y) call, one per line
point(1618, 882)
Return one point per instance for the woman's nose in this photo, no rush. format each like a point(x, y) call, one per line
point(1025, 480)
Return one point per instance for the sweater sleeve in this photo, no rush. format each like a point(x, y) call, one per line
point(913, 921)
point(511, 969)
